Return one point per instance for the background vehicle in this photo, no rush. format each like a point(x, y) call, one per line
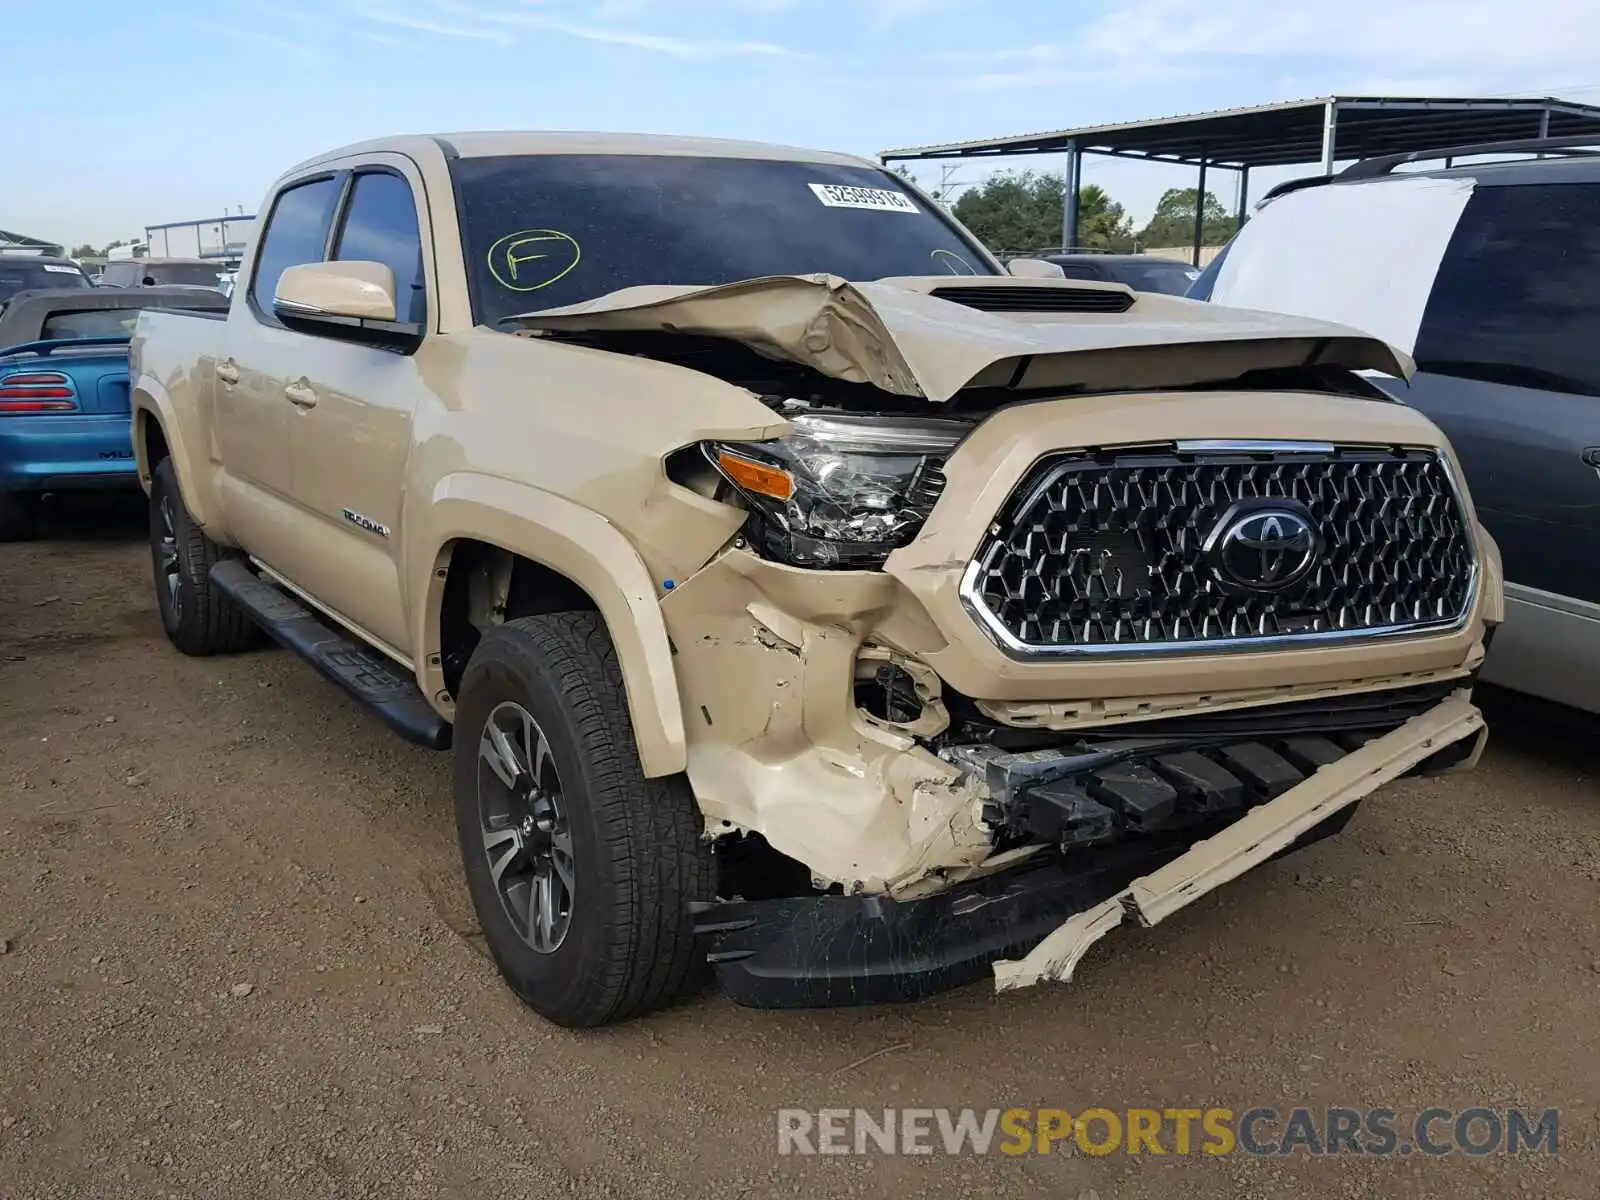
point(867, 632)
point(1142, 272)
point(1488, 274)
point(164, 272)
point(29, 272)
point(64, 414)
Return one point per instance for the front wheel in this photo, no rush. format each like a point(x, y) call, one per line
point(198, 619)
point(581, 870)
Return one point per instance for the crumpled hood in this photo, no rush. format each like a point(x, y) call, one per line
point(898, 335)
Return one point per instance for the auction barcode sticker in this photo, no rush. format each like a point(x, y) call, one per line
point(57, 269)
point(837, 195)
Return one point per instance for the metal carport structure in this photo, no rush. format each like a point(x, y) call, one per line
point(1327, 129)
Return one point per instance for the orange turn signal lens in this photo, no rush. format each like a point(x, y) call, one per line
point(752, 476)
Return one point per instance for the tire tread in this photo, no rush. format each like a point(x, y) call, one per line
point(657, 858)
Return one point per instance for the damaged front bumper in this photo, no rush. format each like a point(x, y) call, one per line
point(836, 949)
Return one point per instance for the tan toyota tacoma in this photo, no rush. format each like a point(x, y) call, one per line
point(796, 589)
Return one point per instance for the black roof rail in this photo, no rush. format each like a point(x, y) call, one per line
point(1294, 185)
point(1577, 145)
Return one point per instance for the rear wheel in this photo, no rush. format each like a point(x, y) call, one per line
point(19, 516)
point(198, 619)
point(581, 870)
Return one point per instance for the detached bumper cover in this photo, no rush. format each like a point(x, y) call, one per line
point(1253, 839)
point(844, 950)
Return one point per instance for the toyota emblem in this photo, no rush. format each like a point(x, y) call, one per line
point(1264, 545)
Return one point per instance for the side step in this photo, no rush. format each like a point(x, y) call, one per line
point(374, 679)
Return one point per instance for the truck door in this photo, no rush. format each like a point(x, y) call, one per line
point(350, 435)
point(253, 411)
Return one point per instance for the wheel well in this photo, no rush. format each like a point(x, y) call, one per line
point(155, 442)
point(485, 586)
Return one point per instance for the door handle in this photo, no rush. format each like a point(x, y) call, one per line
point(300, 395)
point(228, 371)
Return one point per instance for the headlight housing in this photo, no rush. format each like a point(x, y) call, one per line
point(842, 490)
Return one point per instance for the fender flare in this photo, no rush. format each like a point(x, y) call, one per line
point(575, 542)
point(151, 403)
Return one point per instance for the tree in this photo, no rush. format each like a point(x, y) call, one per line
point(1016, 211)
point(904, 172)
point(85, 251)
point(1173, 222)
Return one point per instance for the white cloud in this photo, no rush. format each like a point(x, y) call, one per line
point(1458, 36)
point(424, 25)
point(906, 10)
point(1442, 47)
point(499, 25)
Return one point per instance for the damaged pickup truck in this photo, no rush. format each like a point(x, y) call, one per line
point(795, 588)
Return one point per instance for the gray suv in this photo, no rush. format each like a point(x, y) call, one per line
point(1488, 274)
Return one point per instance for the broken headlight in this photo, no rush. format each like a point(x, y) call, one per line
point(842, 490)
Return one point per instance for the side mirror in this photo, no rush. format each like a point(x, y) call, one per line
point(1034, 268)
point(354, 301)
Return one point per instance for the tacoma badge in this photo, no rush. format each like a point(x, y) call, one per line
point(366, 523)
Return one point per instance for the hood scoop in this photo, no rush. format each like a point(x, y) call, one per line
point(1014, 299)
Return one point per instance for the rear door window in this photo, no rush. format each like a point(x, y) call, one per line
point(296, 233)
point(1518, 293)
point(380, 225)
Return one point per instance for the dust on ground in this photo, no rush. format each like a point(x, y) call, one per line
point(238, 961)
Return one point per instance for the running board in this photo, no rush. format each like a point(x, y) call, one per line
point(372, 678)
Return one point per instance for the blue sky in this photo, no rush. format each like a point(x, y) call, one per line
point(187, 107)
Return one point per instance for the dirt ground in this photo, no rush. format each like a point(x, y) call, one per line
point(238, 961)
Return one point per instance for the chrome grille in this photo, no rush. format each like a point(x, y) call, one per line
point(1114, 552)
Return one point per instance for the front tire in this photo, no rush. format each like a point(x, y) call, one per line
point(581, 870)
point(198, 619)
point(19, 516)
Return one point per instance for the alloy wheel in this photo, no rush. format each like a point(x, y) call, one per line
point(526, 837)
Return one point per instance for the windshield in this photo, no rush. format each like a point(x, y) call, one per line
point(21, 276)
point(192, 274)
point(1171, 278)
point(542, 231)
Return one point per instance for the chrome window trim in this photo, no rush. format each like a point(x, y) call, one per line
point(1014, 647)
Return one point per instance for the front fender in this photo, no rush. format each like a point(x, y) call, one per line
point(579, 544)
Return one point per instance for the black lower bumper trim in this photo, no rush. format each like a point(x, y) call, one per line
point(823, 951)
point(837, 951)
